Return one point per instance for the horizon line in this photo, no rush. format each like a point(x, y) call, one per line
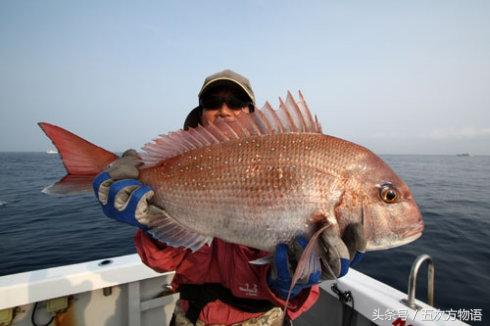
point(408, 154)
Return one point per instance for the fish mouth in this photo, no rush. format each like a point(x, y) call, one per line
point(388, 244)
point(408, 239)
point(414, 231)
point(412, 234)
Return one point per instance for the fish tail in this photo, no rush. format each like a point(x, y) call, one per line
point(81, 159)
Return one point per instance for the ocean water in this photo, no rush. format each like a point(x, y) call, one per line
point(39, 231)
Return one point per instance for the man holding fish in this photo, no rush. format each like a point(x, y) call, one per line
point(251, 207)
point(221, 282)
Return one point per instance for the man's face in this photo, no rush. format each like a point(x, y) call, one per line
point(222, 104)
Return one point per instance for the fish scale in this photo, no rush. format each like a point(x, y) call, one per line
point(267, 187)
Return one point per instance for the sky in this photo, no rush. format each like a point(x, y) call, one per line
point(399, 77)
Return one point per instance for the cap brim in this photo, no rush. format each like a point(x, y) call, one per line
point(226, 81)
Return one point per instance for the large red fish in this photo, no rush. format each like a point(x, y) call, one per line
point(260, 180)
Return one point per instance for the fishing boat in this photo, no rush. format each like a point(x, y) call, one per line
point(123, 291)
point(52, 151)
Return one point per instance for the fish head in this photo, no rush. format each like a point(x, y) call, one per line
point(384, 205)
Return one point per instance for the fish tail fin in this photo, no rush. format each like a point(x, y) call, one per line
point(82, 160)
point(70, 185)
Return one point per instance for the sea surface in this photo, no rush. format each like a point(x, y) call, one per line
point(39, 231)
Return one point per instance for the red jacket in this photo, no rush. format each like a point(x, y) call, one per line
point(224, 263)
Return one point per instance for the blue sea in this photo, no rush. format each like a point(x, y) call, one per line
point(39, 231)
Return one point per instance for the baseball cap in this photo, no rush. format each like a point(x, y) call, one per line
point(225, 77)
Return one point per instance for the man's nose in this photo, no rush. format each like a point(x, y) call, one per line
point(224, 110)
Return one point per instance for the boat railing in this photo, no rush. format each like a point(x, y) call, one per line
point(412, 281)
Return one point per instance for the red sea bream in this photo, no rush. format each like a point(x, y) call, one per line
point(262, 179)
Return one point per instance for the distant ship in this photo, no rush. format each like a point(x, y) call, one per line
point(52, 151)
point(463, 154)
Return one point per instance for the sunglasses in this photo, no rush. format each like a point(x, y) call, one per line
point(214, 102)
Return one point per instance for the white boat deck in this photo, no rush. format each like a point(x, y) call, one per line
point(123, 291)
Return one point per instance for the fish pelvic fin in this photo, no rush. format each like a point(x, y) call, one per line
point(292, 117)
point(79, 156)
point(169, 231)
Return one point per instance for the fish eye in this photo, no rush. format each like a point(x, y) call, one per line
point(388, 194)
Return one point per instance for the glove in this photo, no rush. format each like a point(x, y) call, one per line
point(336, 255)
point(284, 263)
point(124, 198)
point(356, 243)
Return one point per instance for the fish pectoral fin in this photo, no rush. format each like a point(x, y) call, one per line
point(168, 230)
point(308, 263)
point(261, 261)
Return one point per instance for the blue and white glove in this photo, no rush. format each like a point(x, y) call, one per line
point(284, 263)
point(122, 196)
point(336, 255)
point(355, 241)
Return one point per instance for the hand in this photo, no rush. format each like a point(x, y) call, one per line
point(338, 254)
point(122, 197)
point(284, 263)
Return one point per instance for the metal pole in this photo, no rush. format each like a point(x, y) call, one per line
point(412, 281)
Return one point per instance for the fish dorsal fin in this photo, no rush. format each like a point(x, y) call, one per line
point(291, 117)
